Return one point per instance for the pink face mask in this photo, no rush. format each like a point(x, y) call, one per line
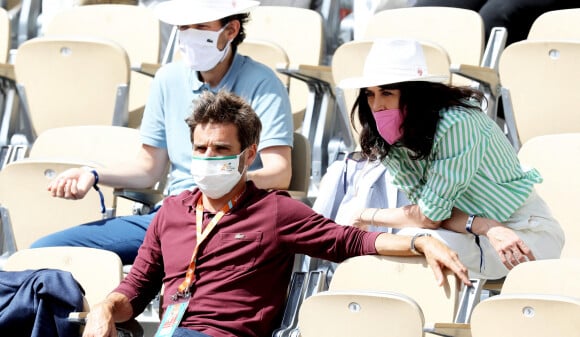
point(389, 124)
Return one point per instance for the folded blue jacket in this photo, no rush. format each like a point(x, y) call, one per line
point(36, 303)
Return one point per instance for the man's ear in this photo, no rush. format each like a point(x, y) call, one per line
point(251, 154)
point(232, 29)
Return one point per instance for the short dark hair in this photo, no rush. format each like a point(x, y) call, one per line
point(226, 107)
point(243, 18)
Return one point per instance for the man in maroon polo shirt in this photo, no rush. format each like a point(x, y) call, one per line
point(224, 251)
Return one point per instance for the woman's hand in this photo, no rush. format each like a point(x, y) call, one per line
point(359, 221)
point(511, 249)
point(72, 184)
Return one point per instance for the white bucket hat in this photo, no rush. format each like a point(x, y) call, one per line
point(393, 61)
point(188, 12)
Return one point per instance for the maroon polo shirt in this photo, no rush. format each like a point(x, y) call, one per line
point(243, 267)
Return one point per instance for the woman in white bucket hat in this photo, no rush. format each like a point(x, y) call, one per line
point(460, 173)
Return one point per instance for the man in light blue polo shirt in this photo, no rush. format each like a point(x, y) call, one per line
point(209, 33)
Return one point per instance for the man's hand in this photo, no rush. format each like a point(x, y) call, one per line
point(439, 257)
point(511, 249)
point(72, 184)
point(100, 321)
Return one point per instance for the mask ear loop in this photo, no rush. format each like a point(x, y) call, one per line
point(240, 163)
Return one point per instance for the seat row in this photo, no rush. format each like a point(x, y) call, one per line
point(321, 113)
point(377, 296)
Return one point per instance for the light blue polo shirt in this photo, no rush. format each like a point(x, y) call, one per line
point(173, 93)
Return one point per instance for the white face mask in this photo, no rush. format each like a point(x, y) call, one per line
point(216, 176)
point(199, 48)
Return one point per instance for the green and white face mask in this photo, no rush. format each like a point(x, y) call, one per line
point(216, 176)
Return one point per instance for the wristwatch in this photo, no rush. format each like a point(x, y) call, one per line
point(413, 249)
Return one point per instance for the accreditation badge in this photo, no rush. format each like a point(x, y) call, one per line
point(171, 318)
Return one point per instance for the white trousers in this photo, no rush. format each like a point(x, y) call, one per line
point(533, 223)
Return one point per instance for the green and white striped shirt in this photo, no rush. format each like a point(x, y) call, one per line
point(472, 166)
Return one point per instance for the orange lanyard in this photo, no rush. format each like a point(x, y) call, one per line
point(183, 289)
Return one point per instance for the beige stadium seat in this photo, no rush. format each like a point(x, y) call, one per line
point(97, 271)
point(72, 81)
point(29, 212)
point(407, 275)
point(561, 24)
point(5, 37)
point(538, 298)
point(54, 151)
point(301, 160)
point(540, 83)
point(299, 31)
point(268, 53)
point(557, 158)
point(103, 145)
point(135, 28)
point(530, 315)
point(360, 313)
point(548, 277)
point(348, 61)
point(458, 31)
point(98, 146)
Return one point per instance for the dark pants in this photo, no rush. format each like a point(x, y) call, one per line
point(183, 332)
point(516, 16)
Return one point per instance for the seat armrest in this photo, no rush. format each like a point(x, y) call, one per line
point(309, 73)
point(448, 329)
point(78, 317)
point(146, 196)
point(483, 75)
point(7, 71)
point(147, 68)
point(130, 328)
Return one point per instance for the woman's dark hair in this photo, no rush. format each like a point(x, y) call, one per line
point(243, 18)
point(421, 101)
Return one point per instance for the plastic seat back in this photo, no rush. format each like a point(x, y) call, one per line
point(359, 313)
point(538, 298)
point(135, 28)
point(542, 79)
point(268, 53)
point(530, 315)
point(410, 276)
point(557, 158)
point(32, 212)
point(303, 42)
point(5, 37)
point(301, 164)
point(103, 145)
point(458, 31)
point(73, 81)
point(549, 277)
point(561, 24)
point(97, 271)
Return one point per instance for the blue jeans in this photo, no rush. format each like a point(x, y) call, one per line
point(183, 332)
point(122, 235)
